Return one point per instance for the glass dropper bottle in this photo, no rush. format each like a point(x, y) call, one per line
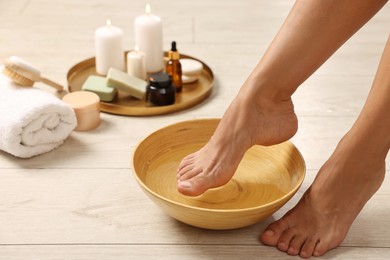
point(173, 67)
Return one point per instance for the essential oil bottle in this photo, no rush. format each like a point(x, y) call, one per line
point(173, 67)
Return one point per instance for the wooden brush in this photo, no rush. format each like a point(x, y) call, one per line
point(25, 74)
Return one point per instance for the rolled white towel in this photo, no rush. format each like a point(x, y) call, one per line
point(32, 121)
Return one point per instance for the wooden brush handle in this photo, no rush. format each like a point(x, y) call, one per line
point(52, 84)
point(26, 70)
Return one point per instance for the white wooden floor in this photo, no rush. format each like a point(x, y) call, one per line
point(81, 201)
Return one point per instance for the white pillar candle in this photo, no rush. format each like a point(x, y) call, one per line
point(109, 48)
point(149, 39)
point(136, 64)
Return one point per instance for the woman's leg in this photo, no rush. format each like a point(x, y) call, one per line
point(263, 113)
point(353, 173)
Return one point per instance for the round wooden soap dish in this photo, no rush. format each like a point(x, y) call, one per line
point(192, 94)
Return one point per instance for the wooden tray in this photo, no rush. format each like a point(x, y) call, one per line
point(124, 104)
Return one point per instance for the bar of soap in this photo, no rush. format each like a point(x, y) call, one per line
point(98, 85)
point(124, 82)
point(188, 79)
point(190, 67)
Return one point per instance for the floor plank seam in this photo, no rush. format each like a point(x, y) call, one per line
point(175, 244)
point(125, 244)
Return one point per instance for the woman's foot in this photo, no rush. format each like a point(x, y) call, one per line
point(245, 124)
point(323, 216)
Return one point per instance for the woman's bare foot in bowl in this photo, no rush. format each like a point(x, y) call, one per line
point(244, 124)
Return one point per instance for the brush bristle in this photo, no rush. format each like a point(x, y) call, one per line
point(23, 81)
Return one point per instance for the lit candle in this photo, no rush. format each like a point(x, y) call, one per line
point(149, 39)
point(136, 63)
point(109, 48)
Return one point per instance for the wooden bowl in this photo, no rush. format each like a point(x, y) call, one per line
point(265, 180)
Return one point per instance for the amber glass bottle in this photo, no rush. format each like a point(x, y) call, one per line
point(173, 67)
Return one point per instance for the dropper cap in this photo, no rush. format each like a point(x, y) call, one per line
point(173, 54)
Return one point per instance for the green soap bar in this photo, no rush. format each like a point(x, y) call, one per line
point(124, 82)
point(99, 86)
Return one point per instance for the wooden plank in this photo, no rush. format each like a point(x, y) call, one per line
point(185, 252)
point(117, 137)
point(317, 137)
point(47, 206)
